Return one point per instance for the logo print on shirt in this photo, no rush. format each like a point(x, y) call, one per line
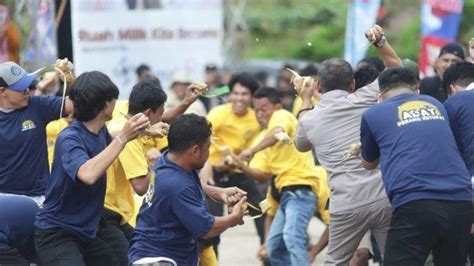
point(27, 125)
point(417, 111)
point(149, 195)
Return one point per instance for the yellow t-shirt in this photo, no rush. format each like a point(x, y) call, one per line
point(52, 132)
point(132, 162)
point(290, 166)
point(208, 257)
point(272, 203)
point(260, 159)
point(323, 196)
point(231, 130)
point(299, 102)
point(121, 107)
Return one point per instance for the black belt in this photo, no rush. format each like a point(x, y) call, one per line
point(295, 187)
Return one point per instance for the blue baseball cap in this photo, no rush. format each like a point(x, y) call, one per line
point(14, 77)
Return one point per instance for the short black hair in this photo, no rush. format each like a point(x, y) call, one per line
point(146, 94)
point(461, 74)
point(151, 78)
point(267, 92)
point(413, 66)
point(290, 66)
point(374, 61)
point(309, 70)
point(141, 69)
point(397, 77)
point(261, 76)
point(335, 74)
point(245, 79)
point(188, 130)
point(365, 75)
point(211, 67)
point(90, 92)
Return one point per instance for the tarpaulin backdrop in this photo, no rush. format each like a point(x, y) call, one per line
point(439, 26)
point(117, 36)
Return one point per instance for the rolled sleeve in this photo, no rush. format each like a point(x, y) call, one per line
point(191, 210)
point(133, 160)
point(302, 142)
point(369, 148)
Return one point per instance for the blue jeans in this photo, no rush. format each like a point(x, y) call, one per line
point(287, 239)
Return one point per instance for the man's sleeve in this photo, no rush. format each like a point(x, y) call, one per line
point(452, 115)
point(260, 161)
point(49, 107)
point(302, 142)
point(279, 120)
point(369, 150)
point(133, 160)
point(73, 155)
point(190, 209)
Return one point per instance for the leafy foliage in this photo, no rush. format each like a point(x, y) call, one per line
point(314, 30)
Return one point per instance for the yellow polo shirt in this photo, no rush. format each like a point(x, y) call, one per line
point(323, 197)
point(299, 102)
point(288, 165)
point(231, 130)
point(121, 107)
point(132, 162)
point(208, 257)
point(260, 159)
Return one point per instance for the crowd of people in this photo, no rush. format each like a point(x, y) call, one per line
point(157, 178)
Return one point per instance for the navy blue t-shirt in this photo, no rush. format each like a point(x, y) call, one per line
point(17, 217)
point(24, 165)
point(71, 203)
point(172, 218)
point(460, 108)
point(418, 154)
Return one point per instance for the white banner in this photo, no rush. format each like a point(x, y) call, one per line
point(116, 36)
point(361, 16)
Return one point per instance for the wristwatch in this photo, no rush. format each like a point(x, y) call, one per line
point(381, 43)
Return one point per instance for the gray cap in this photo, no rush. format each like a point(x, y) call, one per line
point(14, 77)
